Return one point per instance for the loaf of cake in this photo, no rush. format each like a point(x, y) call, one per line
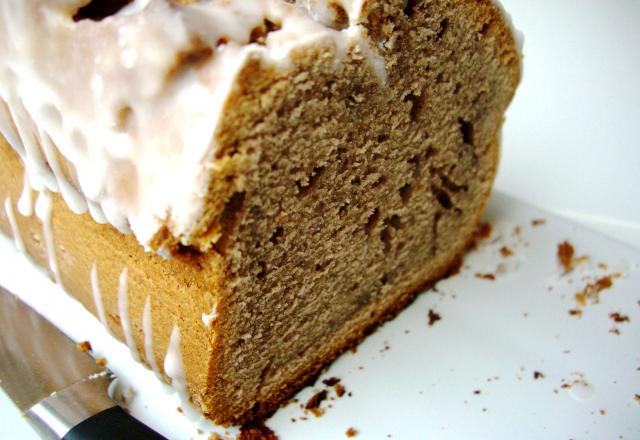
point(241, 189)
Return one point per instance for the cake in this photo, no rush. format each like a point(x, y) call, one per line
point(240, 190)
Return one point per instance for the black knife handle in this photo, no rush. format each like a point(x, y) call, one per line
point(112, 424)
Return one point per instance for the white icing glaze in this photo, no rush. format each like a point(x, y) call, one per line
point(174, 368)
point(97, 296)
point(44, 206)
point(123, 311)
point(100, 94)
point(104, 96)
point(147, 330)
point(15, 230)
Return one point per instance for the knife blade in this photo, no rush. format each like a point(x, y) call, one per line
point(60, 389)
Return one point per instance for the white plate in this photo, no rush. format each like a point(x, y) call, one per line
point(470, 374)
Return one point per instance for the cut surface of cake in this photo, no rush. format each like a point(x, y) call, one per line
point(240, 190)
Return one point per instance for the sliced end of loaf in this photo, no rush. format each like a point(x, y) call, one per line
point(349, 194)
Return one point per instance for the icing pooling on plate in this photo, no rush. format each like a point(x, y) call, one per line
point(104, 113)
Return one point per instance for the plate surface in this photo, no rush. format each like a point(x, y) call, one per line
point(510, 347)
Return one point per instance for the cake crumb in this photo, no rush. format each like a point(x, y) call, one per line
point(615, 331)
point(619, 318)
point(340, 390)
point(351, 432)
point(84, 346)
point(256, 431)
point(506, 252)
point(102, 362)
point(215, 436)
point(637, 398)
point(433, 317)
point(576, 312)
point(315, 400)
point(565, 255)
point(331, 381)
point(538, 375)
point(482, 232)
point(486, 276)
point(477, 392)
point(602, 412)
point(592, 290)
point(538, 222)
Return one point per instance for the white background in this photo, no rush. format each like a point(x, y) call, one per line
point(572, 136)
point(571, 140)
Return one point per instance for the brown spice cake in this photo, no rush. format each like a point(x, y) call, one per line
point(336, 196)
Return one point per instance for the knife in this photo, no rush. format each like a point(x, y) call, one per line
point(61, 390)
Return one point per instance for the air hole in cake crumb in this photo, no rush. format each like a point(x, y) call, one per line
point(485, 28)
point(259, 33)
point(442, 197)
point(277, 234)
point(340, 17)
point(312, 180)
point(98, 10)
point(394, 221)
point(405, 193)
point(451, 185)
point(382, 138)
point(384, 279)
point(415, 163)
point(442, 78)
point(342, 212)
point(262, 273)
point(356, 181)
point(228, 221)
point(372, 221)
point(416, 106)
point(410, 8)
point(429, 153)
point(444, 26)
point(385, 237)
point(466, 128)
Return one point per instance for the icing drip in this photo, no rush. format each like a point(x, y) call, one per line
point(123, 311)
point(97, 295)
point(15, 230)
point(174, 368)
point(147, 330)
point(25, 202)
point(44, 206)
point(71, 196)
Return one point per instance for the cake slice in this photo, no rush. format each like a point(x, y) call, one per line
point(240, 190)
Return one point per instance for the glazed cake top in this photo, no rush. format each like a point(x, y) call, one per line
point(118, 112)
